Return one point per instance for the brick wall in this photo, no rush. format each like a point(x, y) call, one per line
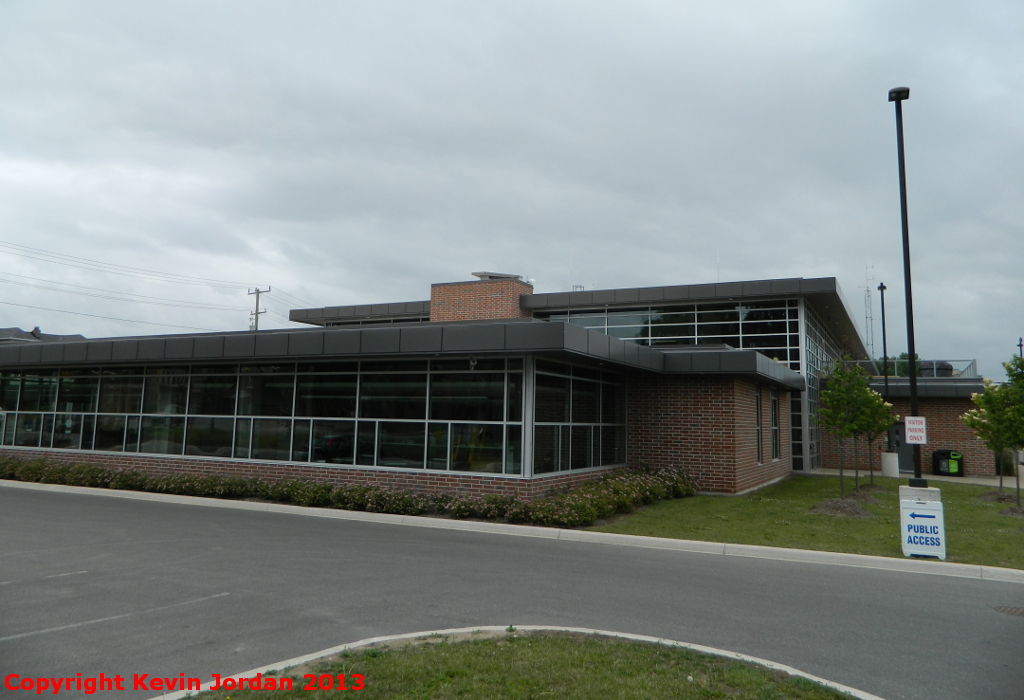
point(830, 456)
point(945, 432)
point(478, 300)
point(418, 481)
point(707, 425)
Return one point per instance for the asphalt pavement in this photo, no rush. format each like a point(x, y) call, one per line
point(91, 584)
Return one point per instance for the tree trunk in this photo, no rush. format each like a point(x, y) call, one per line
point(842, 482)
point(1016, 470)
point(871, 466)
point(856, 466)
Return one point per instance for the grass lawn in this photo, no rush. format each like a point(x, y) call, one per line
point(537, 667)
point(780, 516)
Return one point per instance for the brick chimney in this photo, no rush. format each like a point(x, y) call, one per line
point(494, 295)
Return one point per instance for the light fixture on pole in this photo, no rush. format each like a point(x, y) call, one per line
point(897, 95)
point(885, 349)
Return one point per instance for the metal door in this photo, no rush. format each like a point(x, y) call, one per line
point(898, 444)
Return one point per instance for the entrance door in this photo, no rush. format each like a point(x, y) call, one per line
point(897, 441)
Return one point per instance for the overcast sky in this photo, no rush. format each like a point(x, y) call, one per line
point(354, 152)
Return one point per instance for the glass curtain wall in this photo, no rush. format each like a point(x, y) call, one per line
point(451, 415)
point(771, 327)
point(579, 418)
point(821, 351)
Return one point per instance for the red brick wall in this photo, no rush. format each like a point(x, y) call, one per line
point(425, 481)
point(478, 300)
point(945, 432)
point(707, 425)
point(829, 447)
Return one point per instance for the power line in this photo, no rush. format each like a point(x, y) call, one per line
point(110, 318)
point(87, 264)
point(282, 319)
point(183, 304)
point(114, 291)
point(281, 292)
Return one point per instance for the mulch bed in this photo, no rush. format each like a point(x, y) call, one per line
point(871, 488)
point(862, 496)
point(1016, 512)
point(998, 497)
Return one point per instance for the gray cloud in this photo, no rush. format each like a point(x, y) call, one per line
point(357, 152)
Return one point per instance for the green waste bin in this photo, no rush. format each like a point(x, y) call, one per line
point(947, 463)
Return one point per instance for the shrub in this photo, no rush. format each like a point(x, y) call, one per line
point(619, 492)
point(397, 501)
point(616, 493)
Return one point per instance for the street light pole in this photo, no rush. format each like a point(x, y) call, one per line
point(885, 349)
point(897, 95)
point(1020, 346)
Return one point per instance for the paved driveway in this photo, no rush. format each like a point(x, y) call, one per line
point(96, 584)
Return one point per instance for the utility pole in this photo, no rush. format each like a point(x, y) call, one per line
point(1020, 346)
point(255, 325)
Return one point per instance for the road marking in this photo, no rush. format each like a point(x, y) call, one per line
point(112, 617)
point(498, 630)
point(43, 578)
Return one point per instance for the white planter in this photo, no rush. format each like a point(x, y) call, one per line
point(891, 464)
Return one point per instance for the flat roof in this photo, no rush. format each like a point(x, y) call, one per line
point(822, 293)
point(930, 387)
point(397, 311)
point(527, 336)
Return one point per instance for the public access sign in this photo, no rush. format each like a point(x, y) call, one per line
point(922, 529)
point(916, 428)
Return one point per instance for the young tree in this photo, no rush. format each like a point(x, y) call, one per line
point(876, 419)
point(843, 399)
point(985, 427)
point(998, 419)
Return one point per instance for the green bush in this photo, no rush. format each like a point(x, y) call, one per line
point(619, 492)
point(396, 501)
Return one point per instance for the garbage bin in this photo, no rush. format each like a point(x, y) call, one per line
point(947, 463)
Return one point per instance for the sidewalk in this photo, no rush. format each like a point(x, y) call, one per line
point(1009, 482)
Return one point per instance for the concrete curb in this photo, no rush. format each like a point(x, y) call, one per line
point(492, 631)
point(803, 556)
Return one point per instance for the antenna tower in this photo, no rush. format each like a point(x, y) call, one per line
point(869, 314)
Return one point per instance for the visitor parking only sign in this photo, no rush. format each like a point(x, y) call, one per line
point(915, 430)
point(922, 529)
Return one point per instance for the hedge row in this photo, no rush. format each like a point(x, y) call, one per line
point(619, 492)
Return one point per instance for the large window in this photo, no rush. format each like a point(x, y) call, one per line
point(459, 415)
point(579, 418)
point(758, 415)
point(776, 444)
point(770, 327)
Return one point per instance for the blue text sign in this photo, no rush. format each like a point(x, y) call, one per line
point(922, 529)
